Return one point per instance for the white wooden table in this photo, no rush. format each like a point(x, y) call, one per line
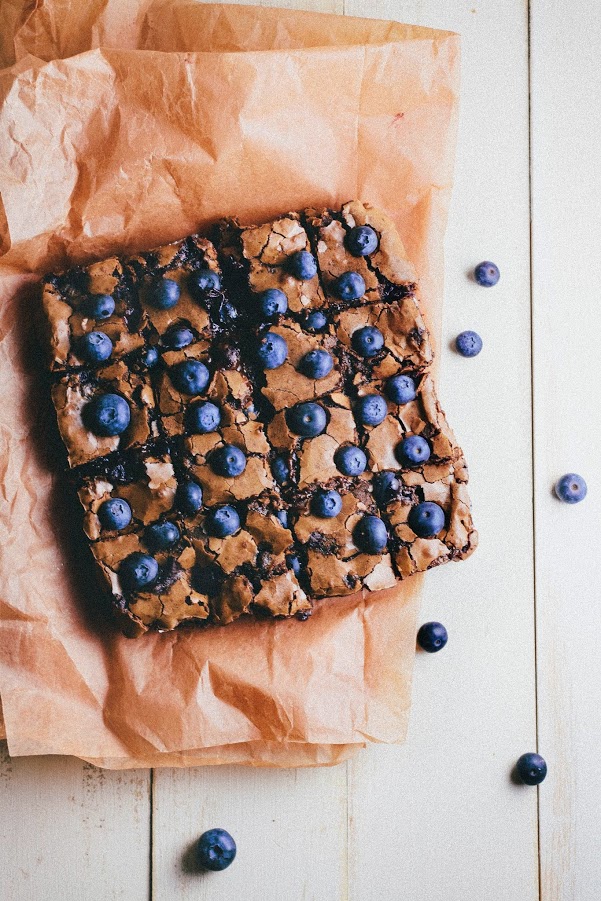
point(438, 819)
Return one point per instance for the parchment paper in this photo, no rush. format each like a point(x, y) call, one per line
point(121, 148)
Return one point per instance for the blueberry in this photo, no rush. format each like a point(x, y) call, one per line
point(283, 518)
point(190, 376)
point(293, 563)
point(370, 535)
point(178, 337)
point(99, 306)
point(228, 461)
point(531, 768)
point(138, 571)
point(115, 513)
point(272, 303)
point(571, 488)
point(401, 389)
point(149, 357)
point(413, 450)
point(302, 265)
point(350, 460)
point(160, 536)
point(426, 519)
point(308, 420)
point(189, 497)
point(272, 351)
point(361, 240)
point(314, 321)
point(202, 281)
point(107, 415)
point(317, 364)
point(386, 487)
point(164, 294)
point(280, 470)
point(222, 521)
point(203, 418)
point(348, 286)
point(371, 409)
point(432, 637)
point(367, 341)
point(487, 274)
point(95, 347)
point(468, 344)
point(215, 850)
point(326, 504)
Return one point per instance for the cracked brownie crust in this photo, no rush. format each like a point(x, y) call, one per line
point(256, 426)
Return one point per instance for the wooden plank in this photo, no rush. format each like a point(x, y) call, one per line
point(566, 237)
point(440, 818)
point(69, 830)
point(289, 827)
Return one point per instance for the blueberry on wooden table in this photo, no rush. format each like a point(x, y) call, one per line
point(272, 351)
point(316, 364)
point(349, 286)
point(370, 535)
point(302, 265)
point(531, 768)
point(468, 344)
point(413, 450)
point(426, 519)
point(487, 274)
point(114, 514)
point(272, 303)
point(361, 240)
point(204, 418)
point(222, 521)
point(571, 488)
point(138, 571)
point(98, 306)
point(350, 460)
point(95, 347)
point(401, 389)
point(371, 409)
point(432, 637)
point(326, 504)
point(190, 376)
point(315, 321)
point(228, 461)
point(307, 420)
point(188, 498)
point(367, 341)
point(164, 294)
point(107, 415)
point(215, 850)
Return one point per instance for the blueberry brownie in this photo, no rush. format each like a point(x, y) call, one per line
point(251, 422)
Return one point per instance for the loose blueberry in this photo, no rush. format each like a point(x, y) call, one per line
point(293, 563)
point(315, 321)
point(386, 487)
point(426, 519)
point(115, 513)
point(283, 518)
point(178, 337)
point(307, 420)
point(413, 451)
point(571, 488)
point(272, 351)
point(202, 281)
point(138, 571)
point(317, 364)
point(189, 497)
point(370, 535)
point(401, 389)
point(302, 265)
point(350, 460)
point(190, 376)
point(164, 294)
point(326, 504)
point(432, 637)
point(149, 357)
point(348, 286)
point(361, 240)
point(228, 461)
point(203, 418)
point(222, 521)
point(487, 274)
point(272, 303)
point(215, 850)
point(371, 409)
point(107, 415)
point(160, 536)
point(95, 347)
point(531, 768)
point(99, 306)
point(280, 470)
point(468, 344)
point(367, 341)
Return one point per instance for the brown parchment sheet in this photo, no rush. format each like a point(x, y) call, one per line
point(124, 125)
